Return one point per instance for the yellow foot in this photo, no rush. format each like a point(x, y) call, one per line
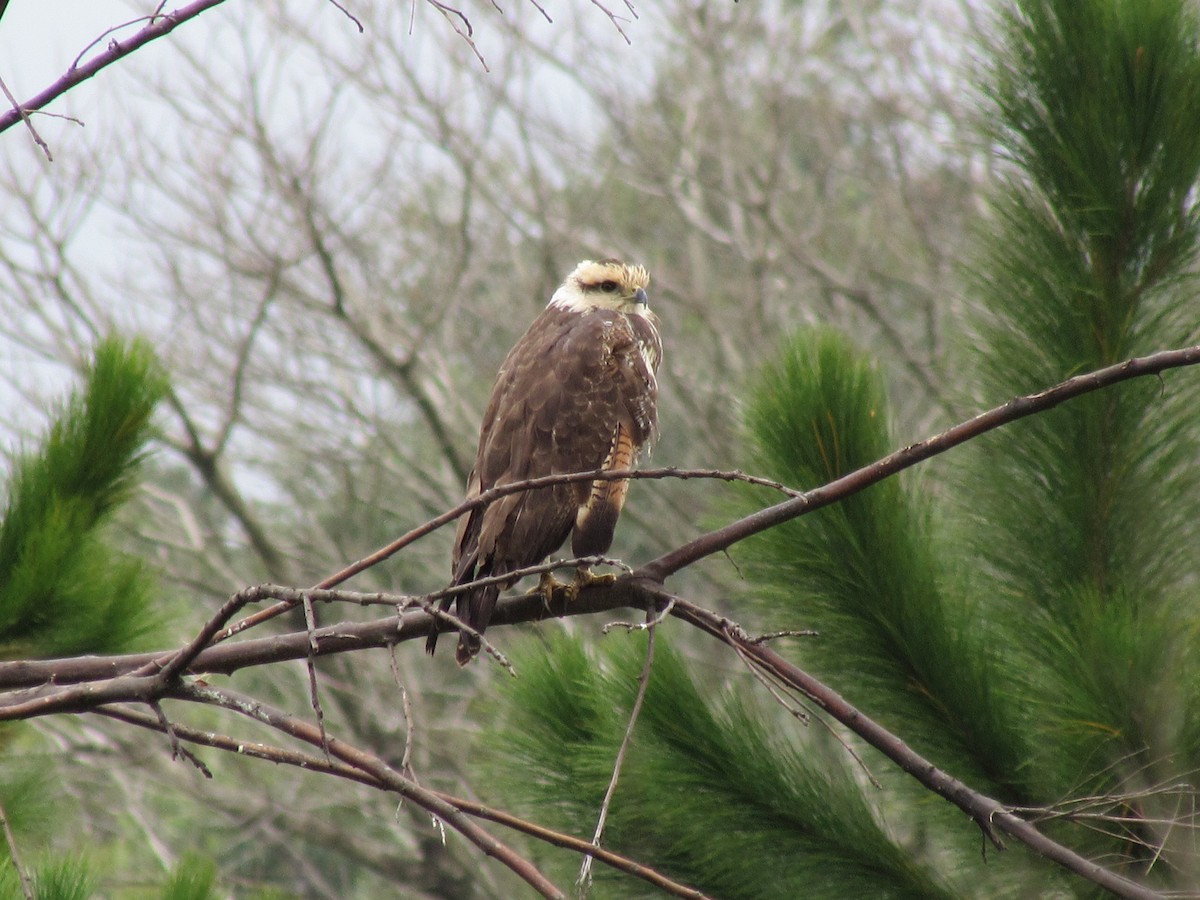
point(584, 577)
point(548, 586)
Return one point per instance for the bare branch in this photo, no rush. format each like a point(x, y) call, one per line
point(314, 697)
point(536, 484)
point(313, 763)
point(410, 726)
point(349, 15)
point(990, 815)
point(1017, 408)
point(372, 765)
point(616, 21)
point(158, 27)
point(450, 14)
point(627, 591)
point(111, 682)
point(801, 503)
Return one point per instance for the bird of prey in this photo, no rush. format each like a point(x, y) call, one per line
point(577, 393)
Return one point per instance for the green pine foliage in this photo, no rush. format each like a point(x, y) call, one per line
point(194, 878)
point(64, 588)
point(707, 793)
point(865, 572)
point(1082, 522)
point(1028, 621)
point(68, 878)
point(63, 879)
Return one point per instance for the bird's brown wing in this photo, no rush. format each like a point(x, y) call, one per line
point(523, 436)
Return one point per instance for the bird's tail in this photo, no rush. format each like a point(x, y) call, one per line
point(473, 607)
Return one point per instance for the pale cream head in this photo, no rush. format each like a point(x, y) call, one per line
point(607, 284)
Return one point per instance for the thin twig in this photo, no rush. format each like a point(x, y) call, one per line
point(542, 10)
point(584, 880)
point(166, 727)
point(37, 138)
point(15, 856)
point(178, 751)
point(775, 635)
point(349, 15)
point(410, 728)
point(314, 697)
point(802, 715)
point(612, 17)
point(105, 33)
point(651, 620)
point(449, 13)
point(168, 668)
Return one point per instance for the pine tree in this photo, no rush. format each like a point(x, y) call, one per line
point(66, 588)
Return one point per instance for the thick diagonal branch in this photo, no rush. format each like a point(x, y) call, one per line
point(1018, 408)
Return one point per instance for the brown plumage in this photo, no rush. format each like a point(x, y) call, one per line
point(576, 393)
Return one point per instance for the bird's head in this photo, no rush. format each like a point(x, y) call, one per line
point(608, 284)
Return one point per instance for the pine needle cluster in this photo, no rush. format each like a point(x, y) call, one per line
point(64, 588)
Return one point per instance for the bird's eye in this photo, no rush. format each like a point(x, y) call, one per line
point(609, 287)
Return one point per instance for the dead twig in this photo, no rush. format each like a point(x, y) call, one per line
point(349, 15)
point(410, 728)
point(37, 138)
point(584, 880)
point(314, 697)
point(616, 21)
point(450, 14)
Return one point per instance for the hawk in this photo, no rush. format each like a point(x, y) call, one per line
point(577, 393)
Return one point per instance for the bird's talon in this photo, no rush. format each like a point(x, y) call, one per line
point(548, 586)
point(586, 578)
